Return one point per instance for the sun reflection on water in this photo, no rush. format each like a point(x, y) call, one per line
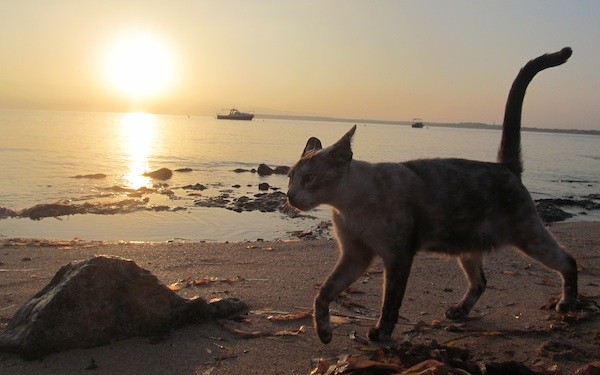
point(138, 132)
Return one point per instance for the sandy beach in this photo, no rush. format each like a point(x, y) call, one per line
point(508, 323)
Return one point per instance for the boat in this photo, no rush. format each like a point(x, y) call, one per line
point(417, 123)
point(234, 114)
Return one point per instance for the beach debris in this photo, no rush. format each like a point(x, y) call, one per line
point(592, 368)
point(407, 358)
point(226, 325)
point(99, 300)
point(184, 170)
point(186, 283)
point(452, 357)
point(290, 316)
point(160, 174)
point(254, 246)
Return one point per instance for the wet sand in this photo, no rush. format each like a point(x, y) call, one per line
point(508, 322)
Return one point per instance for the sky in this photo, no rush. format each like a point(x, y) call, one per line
point(443, 61)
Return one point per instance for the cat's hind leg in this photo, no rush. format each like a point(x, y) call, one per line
point(539, 244)
point(354, 261)
point(472, 266)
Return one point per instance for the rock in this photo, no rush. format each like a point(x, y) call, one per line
point(99, 300)
point(160, 174)
point(263, 186)
point(213, 202)
point(281, 170)
point(587, 204)
point(125, 206)
point(95, 176)
point(269, 202)
point(550, 213)
point(7, 212)
point(264, 202)
point(264, 170)
point(198, 186)
point(549, 210)
point(40, 211)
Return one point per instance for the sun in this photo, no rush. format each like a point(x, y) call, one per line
point(140, 65)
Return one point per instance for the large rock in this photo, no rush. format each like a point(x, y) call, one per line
point(160, 174)
point(40, 211)
point(96, 301)
point(265, 170)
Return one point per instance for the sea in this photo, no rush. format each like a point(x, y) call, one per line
point(52, 156)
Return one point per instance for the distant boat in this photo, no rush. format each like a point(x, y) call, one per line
point(417, 123)
point(234, 114)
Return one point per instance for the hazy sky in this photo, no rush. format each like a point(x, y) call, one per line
point(443, 61)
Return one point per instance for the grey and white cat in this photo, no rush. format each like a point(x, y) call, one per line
point(460, 207)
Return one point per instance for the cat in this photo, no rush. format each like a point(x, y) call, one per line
point(459, 207)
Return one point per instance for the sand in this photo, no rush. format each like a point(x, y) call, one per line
point(277, 277)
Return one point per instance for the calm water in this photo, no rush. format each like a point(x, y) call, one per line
point(40, 152)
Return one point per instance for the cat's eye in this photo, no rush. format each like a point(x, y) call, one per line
point(307, 179)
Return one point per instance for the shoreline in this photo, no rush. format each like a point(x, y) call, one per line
point(456, 125)
point(209, 212)
point(280, 276)
point(143, 222)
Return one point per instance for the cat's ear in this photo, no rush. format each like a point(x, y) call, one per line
point(313, 144)
point(342, 150)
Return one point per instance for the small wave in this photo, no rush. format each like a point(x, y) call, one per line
point(576, 181)
point(15, 149)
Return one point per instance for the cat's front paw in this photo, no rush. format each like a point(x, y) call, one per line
point(321, 320)
point(325, 332)
point(456, 313)
point(565, 305)
point(377, 335)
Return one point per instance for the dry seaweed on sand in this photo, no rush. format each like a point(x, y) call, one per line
point(245, 334)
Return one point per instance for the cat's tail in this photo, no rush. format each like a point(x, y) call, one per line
point(509, 152)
